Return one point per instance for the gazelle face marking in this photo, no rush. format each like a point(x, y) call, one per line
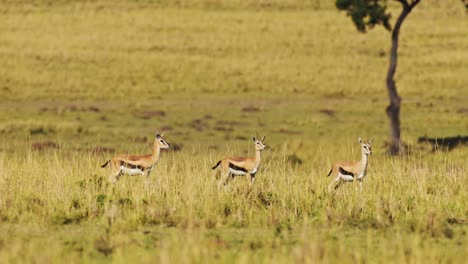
point(161, 142)
point(366, 147)
point(259, 145)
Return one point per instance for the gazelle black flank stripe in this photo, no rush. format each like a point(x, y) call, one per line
point(344, 172)
point(132, 166)
point(237, 168)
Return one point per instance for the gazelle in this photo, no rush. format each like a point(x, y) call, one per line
point(240, 166)
point(136, 165)
point(351, 171)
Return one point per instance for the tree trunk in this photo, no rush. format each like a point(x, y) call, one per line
point(393, 110)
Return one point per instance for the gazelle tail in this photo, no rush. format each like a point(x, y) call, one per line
point(105, 164)
point(216, 166)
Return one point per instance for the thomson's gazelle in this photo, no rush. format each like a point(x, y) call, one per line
point(350, 171)
point(240, 166)
point(137, 165)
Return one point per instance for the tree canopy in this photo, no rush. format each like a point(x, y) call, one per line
point(366, 13)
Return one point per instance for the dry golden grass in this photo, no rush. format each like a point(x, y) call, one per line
point(59, 204)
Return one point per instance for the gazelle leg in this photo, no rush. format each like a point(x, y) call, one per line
point(217, 174)
point(252, 180)
point(335, 183)
point(147, 176)
point(116, 170)
point(330, 186)
point(148, 172)
point(116, 176)
point(223, 179)
point(340, 182)
point(229, 179)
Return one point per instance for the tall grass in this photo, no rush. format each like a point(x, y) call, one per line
point(418, 200)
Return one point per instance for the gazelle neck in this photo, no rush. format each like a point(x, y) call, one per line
point(156, 152)
point(364, 160)
point(258, 157)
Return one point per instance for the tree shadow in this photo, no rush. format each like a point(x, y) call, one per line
point(445, 143)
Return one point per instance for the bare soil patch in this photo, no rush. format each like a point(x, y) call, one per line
point(149, 114)
point(250, 109)
point(327, 112)
point(37, 146)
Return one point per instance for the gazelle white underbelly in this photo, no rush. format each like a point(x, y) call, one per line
point(346, 177)
point(237, 172)
point(129, 171)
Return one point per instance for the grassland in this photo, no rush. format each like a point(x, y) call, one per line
point(98, 78)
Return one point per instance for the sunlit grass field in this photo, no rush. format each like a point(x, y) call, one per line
point(81, 81)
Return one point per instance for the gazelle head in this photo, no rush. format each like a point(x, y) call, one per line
point(160, 141)
point(366, 146)
point(259, 144)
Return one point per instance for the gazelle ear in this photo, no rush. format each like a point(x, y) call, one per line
point(254, 139)
point(370, 141)
point(162, 134)
point(360, 140)
point(263, 139)
point(158, 135)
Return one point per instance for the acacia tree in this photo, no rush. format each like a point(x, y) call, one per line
point(366, 14)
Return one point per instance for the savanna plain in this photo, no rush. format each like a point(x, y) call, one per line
point(81, 81)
